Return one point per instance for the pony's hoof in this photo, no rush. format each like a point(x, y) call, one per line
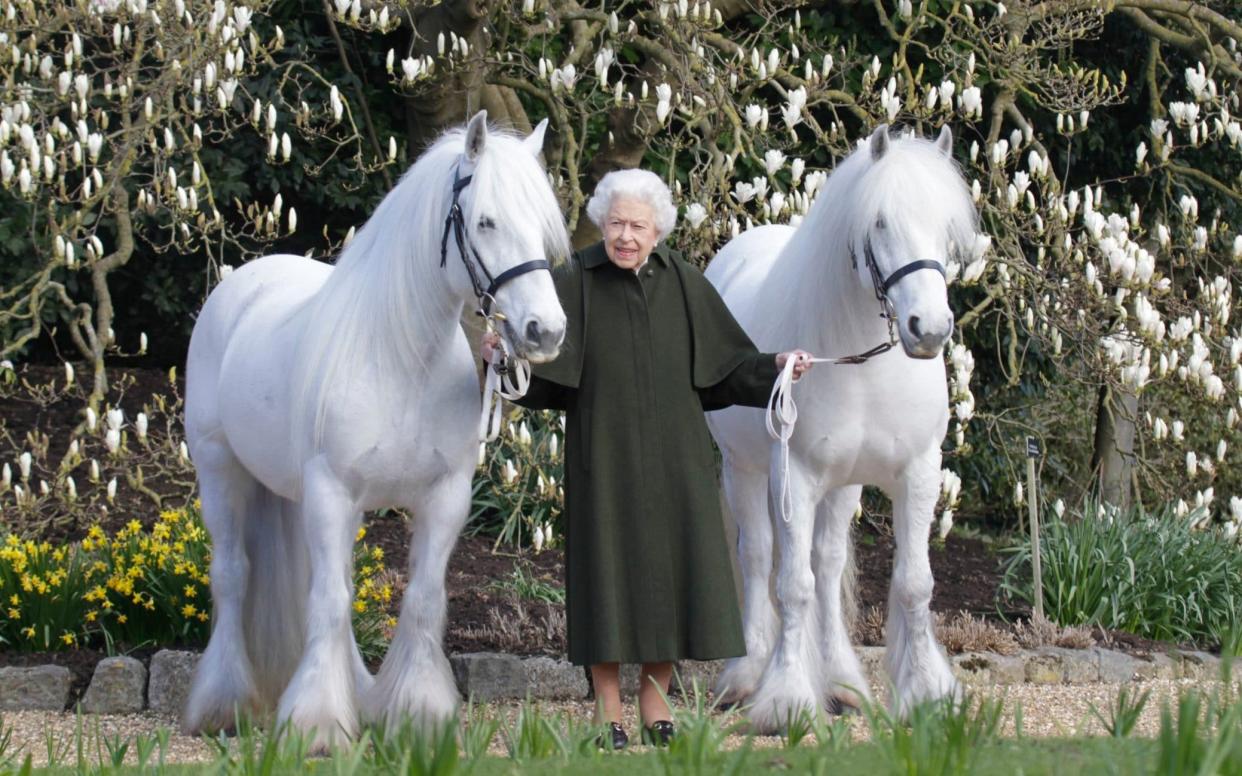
point(773, 715)
point(840, 707)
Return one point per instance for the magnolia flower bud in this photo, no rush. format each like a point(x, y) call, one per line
point(111, 492)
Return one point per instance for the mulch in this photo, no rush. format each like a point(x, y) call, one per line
point(53, 409)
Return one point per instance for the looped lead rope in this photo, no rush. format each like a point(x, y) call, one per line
point(507, 378)
point(782, 412)
point(781, 415)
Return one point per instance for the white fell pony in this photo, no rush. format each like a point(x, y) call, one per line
point(315, 393)
point(880, 229)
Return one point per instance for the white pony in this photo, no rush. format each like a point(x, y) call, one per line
point(884, 223)
point(315, 393)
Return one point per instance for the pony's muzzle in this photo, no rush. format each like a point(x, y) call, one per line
point(541, 341)
point(924, 341)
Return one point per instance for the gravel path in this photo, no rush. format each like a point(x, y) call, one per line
point(1047, 711)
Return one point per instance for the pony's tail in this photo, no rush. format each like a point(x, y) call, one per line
point(849, 585)
point(276, 593)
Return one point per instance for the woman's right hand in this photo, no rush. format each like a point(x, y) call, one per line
point(488, 344)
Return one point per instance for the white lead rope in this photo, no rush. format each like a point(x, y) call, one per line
point(511, 385)
point(782, 415)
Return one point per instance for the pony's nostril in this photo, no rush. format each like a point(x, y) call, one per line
point(533, 334)
point(914, 327)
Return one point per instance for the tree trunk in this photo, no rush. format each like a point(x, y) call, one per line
point(1113, 459)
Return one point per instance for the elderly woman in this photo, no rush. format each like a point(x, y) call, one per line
point(649, 347)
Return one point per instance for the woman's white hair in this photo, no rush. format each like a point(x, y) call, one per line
point(641, 185)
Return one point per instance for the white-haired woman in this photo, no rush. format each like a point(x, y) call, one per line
point(649, 346)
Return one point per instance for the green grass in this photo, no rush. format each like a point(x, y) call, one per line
point(1048, 756)
point(1200, 733)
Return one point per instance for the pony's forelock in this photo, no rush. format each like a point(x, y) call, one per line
point(914, 179)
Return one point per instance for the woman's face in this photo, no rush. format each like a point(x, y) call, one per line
point(629, 232)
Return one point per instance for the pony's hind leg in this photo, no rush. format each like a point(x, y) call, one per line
point(321, 695)
point(747, 494)
point(223, 681)
point(791, 682)
point(846, 684)
point(416, 681)
point(914, 659)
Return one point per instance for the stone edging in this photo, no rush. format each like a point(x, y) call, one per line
point(125, 685)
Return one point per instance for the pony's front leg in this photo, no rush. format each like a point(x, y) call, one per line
point(914, 659)
point(416, 681)
point(791, 682)
point(747, 494)
point(846, 684)
point(321, 695)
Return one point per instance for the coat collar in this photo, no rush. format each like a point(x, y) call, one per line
point(595, 256)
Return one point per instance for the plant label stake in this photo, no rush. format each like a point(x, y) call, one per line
point(1032, 501)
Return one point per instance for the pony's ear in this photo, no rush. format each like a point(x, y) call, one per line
point(879, 142)
point(944, 142)
point(534, 141)
point(476, 135)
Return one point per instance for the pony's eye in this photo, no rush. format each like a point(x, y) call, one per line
point(487, 223)
point(880, 223)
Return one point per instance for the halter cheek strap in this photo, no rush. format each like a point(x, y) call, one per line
point(455, 223)
point(507, 378)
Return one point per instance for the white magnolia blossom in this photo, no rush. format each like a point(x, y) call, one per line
point(695, 215)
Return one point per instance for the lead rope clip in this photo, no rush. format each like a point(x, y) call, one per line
point(508, 377)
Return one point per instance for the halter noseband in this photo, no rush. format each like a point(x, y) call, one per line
point(882, 286)
point(456, 222)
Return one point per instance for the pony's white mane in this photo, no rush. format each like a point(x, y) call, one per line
point(913, 181)
point(388, 299)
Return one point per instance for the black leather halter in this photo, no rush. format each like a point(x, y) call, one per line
point(456, 223)
point(882, 286)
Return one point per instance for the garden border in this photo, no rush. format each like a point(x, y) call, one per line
point(125, 685)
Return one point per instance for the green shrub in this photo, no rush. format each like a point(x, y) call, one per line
point(518, 486)
point(1152, 574)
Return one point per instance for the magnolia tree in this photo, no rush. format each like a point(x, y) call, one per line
point(105, 109)
point(1099, 283)
point(1096, 299)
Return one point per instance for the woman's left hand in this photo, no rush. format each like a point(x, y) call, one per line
point(802, 361)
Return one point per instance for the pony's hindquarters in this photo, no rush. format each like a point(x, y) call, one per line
point(739, 272)
point(258, 575)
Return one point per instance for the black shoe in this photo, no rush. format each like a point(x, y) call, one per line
point(614, 738)
point(659, 733)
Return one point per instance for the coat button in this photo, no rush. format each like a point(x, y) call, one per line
point(650, 272)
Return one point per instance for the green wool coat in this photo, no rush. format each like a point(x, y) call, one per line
point(648, 575)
